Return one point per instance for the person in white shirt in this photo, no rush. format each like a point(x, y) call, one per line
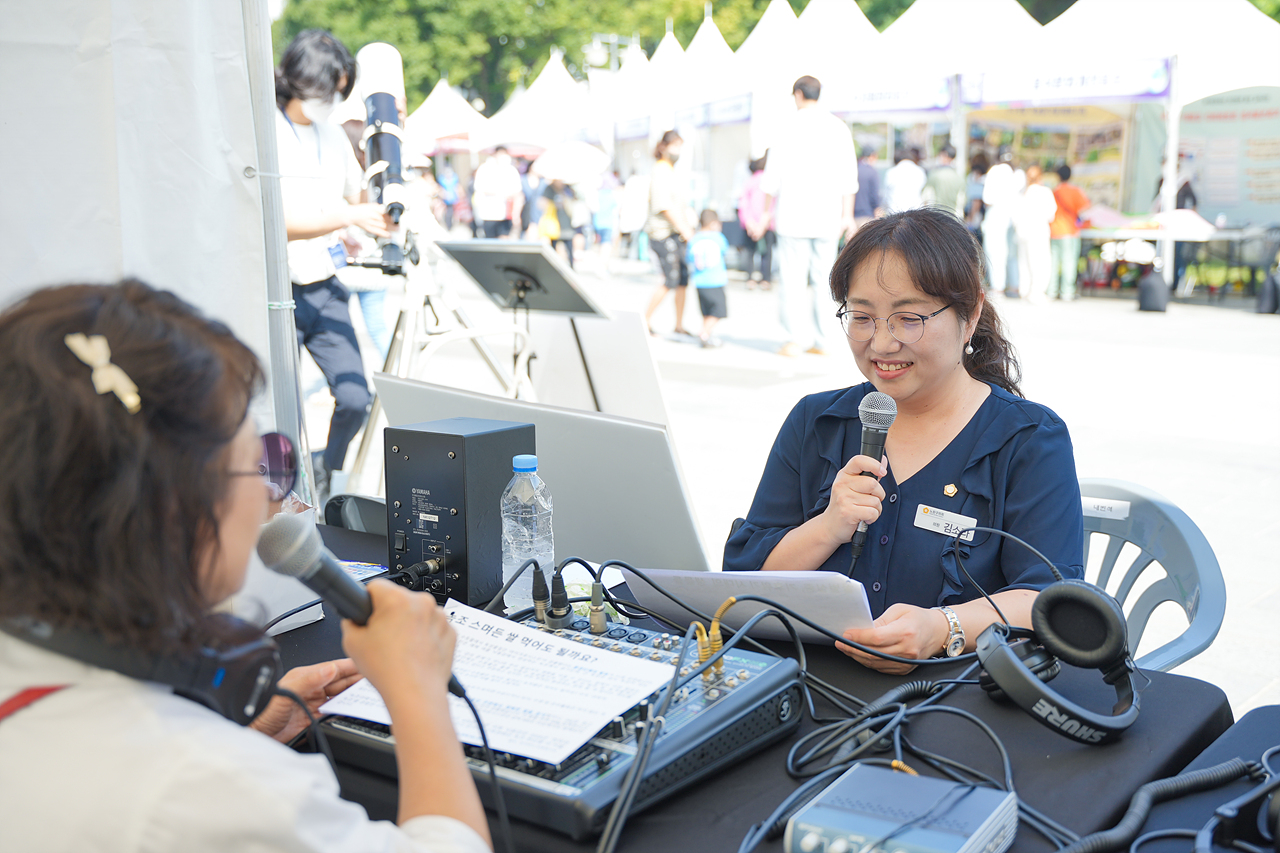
point(498, 194)
point(321, 185)
point(1033, 213)
point(1000, 193)
point(134, 494)
point(812, 175)
point(904, 182)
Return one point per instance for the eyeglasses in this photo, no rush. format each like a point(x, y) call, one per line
point(278, 466)
point(906, 326)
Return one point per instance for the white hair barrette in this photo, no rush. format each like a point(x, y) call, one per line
point(107, 378)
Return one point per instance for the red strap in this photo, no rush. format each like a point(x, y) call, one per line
point(32, 694)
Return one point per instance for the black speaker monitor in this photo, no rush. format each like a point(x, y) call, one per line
point(444, 490)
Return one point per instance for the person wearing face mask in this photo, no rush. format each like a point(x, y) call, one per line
point(965, 442)
point(321, 185)
point(668, 228)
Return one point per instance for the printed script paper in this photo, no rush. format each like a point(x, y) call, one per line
point(540, 696)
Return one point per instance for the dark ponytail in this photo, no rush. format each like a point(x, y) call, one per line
point(993, 358)
point(944, 261)
point(283, 93)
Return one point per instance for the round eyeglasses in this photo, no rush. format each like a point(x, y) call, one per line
point(906, 326)
point(278, 466)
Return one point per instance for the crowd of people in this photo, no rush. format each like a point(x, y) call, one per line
point(810, 193)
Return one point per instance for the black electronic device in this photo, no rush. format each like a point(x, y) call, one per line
point(1084, 626)
point(234, 671)
point(711, 724)
point(444, 495)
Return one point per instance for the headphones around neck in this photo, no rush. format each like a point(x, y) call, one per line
point(1082, 625)
point(235, 673)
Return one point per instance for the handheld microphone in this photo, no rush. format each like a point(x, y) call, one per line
point(291, 545)
point(876, 411)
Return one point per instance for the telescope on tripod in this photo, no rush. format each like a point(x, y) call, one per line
point(381, 79)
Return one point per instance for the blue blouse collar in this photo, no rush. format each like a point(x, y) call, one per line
point(1006, 420)
point(1001, 419)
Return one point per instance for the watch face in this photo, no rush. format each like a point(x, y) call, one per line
point(955, 646)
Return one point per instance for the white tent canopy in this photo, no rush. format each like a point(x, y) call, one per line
point(553, 109)
point(664, 80)
point(444, 114)
point(939, 36)
point(1223, 45)
point(763, 67)
point(707, 67)
point(834, 41)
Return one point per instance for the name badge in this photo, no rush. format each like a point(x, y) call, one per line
point(946, 523)
point(338, 253)
point(1103, 508)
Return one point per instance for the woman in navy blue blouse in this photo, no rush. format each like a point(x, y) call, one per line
point(965, 442)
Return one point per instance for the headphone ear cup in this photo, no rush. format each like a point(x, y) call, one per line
point(1081, 624)
point(1034, 657)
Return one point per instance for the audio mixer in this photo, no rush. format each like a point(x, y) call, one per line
point(711, 723)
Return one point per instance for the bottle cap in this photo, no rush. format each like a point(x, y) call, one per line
point(524, 462)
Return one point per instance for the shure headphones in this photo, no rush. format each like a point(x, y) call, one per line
point(235, 676)
point(1085, 627)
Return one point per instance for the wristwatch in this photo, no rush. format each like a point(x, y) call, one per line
point(955, 639)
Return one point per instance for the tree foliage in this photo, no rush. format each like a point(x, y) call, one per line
point(488, 47)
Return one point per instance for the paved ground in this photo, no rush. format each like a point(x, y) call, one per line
point(1186, 403)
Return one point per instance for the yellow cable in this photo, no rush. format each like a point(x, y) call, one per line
point(898, 765)
point(716, 639)
point(704, 647)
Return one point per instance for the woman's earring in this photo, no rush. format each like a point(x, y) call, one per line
point(968, 348)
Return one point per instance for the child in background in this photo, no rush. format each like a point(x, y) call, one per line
point(708, 273)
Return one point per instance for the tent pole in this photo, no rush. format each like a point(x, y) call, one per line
point(1169, 189)
point(281, 333)
point(959, 129)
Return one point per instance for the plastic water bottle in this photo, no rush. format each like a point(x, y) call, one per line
point(526, 530)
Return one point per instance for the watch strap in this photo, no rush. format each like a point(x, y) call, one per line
point(951, 648)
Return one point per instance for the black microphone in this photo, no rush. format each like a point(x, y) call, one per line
point(876, 411)
point(291, 545)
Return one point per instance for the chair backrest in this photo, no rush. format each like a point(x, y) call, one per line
point(1164, 534)
point(357, 512)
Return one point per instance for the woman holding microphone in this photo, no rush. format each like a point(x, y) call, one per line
point(965, 446)
point(132, 500)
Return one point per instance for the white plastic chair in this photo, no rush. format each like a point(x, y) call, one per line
point(1164, 535)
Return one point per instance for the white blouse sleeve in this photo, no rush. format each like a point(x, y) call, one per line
point(263, 797)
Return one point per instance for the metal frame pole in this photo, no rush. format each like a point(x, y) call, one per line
point(282, 336)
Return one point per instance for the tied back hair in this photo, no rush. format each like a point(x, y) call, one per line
point(107, 518)
point(944, 261)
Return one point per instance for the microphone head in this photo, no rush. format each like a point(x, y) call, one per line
point(290, 545)
point(877, 409)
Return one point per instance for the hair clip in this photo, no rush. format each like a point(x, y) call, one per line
point(94, 351)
